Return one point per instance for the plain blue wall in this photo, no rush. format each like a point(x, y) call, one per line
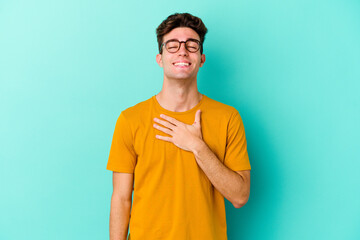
point(291, 68)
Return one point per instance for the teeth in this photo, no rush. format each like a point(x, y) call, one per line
point(181, 64)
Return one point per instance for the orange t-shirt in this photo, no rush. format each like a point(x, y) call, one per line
point(173, 199)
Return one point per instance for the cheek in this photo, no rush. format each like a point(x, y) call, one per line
point(166, 62)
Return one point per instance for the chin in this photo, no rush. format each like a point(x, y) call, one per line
point(181, 77)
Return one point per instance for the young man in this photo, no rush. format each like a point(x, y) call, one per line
point(182, 151)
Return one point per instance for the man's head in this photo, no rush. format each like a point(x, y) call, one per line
point(181, 20)
point(180, 39)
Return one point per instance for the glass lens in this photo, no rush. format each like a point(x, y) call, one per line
point(172, 46)
point(192, 46)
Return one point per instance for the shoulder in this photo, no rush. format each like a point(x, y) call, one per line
point(217, 108)
point(133, 112)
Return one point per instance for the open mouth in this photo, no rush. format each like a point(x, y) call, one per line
point(182, 64)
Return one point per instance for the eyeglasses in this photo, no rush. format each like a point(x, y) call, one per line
point(173, 45)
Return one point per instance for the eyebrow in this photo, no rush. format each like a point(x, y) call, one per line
point(185, 40)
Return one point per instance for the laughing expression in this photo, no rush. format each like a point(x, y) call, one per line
point(182, 64)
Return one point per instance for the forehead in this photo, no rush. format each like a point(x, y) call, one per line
point(181, 34)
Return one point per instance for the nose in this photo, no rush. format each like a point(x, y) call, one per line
point(183, 50)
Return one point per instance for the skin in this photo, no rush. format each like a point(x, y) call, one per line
point(120, 205)
point(179, 93)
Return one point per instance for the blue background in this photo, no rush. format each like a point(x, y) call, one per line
point(291, 68)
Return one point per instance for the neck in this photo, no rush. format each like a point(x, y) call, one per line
point(179, 95)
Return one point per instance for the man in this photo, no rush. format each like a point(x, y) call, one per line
point(182, 151)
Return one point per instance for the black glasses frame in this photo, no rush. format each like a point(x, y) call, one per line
point(180, 42)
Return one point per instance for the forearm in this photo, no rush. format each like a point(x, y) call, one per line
point(119, 218)
point(229, 183)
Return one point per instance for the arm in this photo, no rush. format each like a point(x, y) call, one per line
point(234, 186)
point(120, 205)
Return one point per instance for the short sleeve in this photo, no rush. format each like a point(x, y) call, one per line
point(236, 155)
point(122, 157)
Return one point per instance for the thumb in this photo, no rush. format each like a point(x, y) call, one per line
point(197, 117)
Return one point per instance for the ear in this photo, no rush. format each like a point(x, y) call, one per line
point(159, 59)
point(202, 60)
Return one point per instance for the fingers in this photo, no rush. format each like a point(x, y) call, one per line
point(168, 139)
point(165, 123)
point(197, 117)
point(165, 130)
point(170, 119)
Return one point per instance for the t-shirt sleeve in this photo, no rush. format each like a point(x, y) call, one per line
point(236, 155)
point(122, 157)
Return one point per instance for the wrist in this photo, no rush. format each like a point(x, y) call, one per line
point(198, 147)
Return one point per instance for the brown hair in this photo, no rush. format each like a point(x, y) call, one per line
point(181, 20)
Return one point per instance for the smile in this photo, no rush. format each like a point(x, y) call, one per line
point(182, 64)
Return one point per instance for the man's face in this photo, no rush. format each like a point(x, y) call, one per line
point(168, 61)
